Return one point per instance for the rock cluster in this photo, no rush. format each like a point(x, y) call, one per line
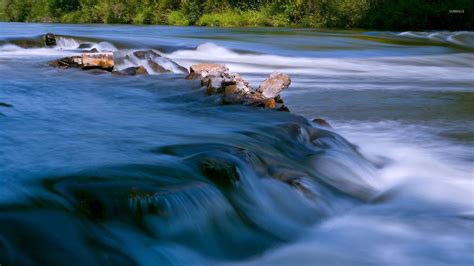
point(236, 90)
point(231, 87)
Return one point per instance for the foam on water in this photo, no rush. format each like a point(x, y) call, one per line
point(446, 68)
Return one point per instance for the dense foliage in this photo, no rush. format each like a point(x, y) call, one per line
point(377, 14)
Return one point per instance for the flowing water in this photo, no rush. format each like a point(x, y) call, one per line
point(98, 169)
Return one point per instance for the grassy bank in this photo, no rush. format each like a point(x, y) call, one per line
point(374, 14)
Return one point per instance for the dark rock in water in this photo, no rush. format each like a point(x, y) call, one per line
point(157, 62)
point(84, 46)
point(50, 39)
point(274, 85)
point(93, 50)
point(322, 122)
point(284, 108)
point(220, 172)
point(149, 54)
point(104, 61)
point(157, 67)
point(67, 62)
point(5, 104)
point(131, 71)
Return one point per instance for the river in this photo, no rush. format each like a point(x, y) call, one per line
point(106, 170)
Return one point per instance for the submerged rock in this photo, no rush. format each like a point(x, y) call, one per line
point(50, 39)
point(158, 63)
point(104, 61)
point(93, 50)
point(148, 54)
point(220, 172)
point(321, 122)
point(274, 85)
point(131, 71)
point(2, 104)
point(84, 46)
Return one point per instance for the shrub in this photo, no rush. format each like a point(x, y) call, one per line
point(177, 18)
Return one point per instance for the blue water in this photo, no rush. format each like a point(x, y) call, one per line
point(98, 169)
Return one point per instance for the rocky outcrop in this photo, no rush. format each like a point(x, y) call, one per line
point(131, 71)
point(50, 39)
point(274, 85)
point(103, 61)
point(236, 90)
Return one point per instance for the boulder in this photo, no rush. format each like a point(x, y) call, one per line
point(67, 62)
point(98, 60)
point(206, 70)
point(104, 61)
point(50, 39)
point(131, 71)
point(274, 85)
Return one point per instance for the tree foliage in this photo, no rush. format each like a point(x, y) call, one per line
point(375, 14)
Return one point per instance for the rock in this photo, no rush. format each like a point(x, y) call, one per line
point(237, 90)
point(149, 54)
point(220, 172)
point(241, 84)
point(158, 63)
point(104, 61)
point(93, 50)
point(131, 71)
point(215, 85)
point(50, 39)
point(84, 46)
point(5, 104)
point(322, 122)
point(67, 62)
point(157, 67)
point(274, 85)
point(206, 70)
point(98, 60)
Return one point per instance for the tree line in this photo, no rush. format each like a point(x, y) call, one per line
point(371, 14)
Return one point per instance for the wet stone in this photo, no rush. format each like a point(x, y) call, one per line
point(50, 39)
